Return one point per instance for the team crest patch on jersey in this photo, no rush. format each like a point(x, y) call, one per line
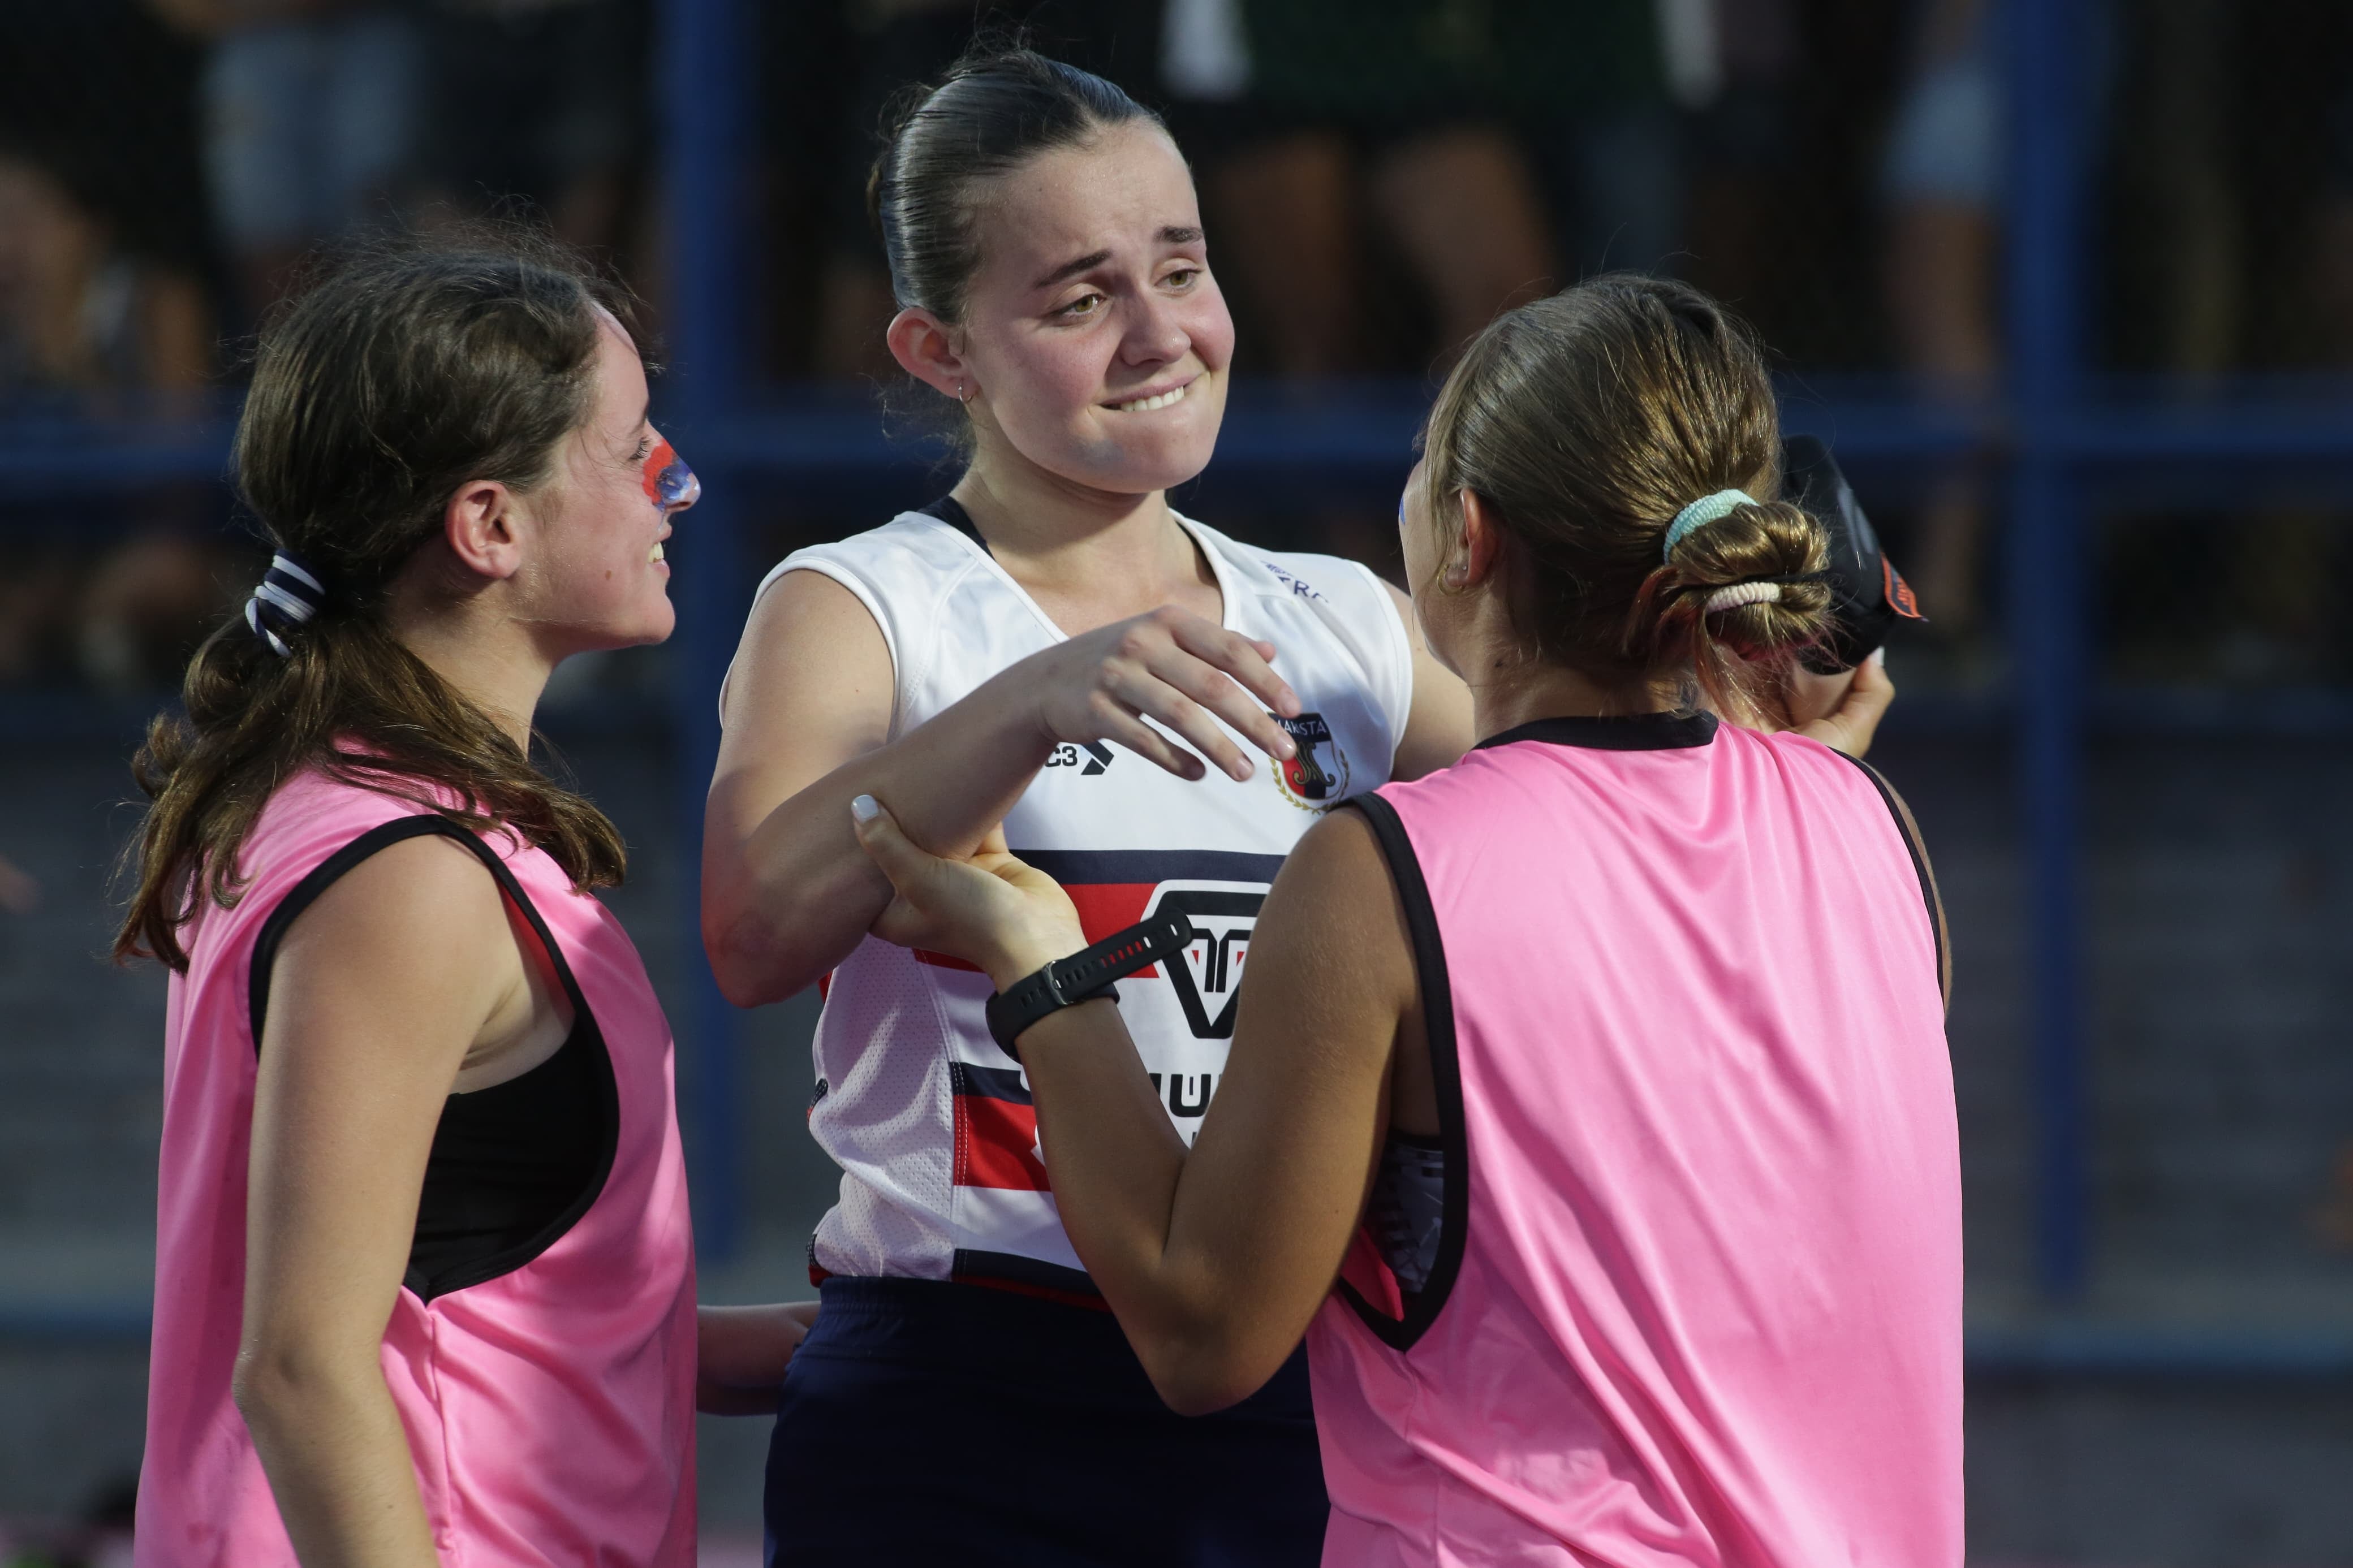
point(1209, 974)
point(1317, 778)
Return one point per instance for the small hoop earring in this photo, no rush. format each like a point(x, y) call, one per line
point(964, 392)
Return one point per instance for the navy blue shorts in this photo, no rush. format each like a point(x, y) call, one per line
point(931, 1423)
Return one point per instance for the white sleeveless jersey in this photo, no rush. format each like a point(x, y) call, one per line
point(931, 1122)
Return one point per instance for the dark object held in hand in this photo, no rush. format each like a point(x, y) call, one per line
point(1868, 596)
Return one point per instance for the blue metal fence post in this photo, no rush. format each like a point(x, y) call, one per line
point(701, 94)
point(2044, 72)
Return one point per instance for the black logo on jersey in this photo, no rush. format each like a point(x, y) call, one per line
point(1095, 755)
point(1209, 972)
point(1317, 778)
point(1189, 1094)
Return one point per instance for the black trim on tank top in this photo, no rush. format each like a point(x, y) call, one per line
point(1001, 1271)
point(447, 1268)
point(1618, 732)
point(1446, 1076)
point(950, 510)
point(1910, 830)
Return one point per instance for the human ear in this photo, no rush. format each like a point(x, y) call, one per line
point(925, 348)
point(1483, 543)
point(482, 528)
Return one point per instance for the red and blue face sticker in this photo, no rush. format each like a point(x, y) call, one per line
point(669, 484)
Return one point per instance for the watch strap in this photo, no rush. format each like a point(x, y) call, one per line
point(1086, 974)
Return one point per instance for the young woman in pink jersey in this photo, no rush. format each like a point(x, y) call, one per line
point(425, 1280)
point(1588, 1105)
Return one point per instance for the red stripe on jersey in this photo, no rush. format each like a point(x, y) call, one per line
point(995, 1145)
point(1103, 908)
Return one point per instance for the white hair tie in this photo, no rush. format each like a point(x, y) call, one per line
point(1736, 594)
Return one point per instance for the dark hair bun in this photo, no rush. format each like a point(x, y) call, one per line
point(1754, 576)
point(1588, 421)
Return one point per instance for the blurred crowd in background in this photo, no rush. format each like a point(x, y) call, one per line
point(1379, 176)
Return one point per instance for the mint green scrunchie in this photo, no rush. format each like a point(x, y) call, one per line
point(1702, 512)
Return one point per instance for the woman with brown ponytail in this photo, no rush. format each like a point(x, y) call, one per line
point(424, 1278)
point(1588, 1107)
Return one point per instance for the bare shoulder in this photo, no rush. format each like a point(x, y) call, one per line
point(1439, 730)
point(1333, 914)
point(810, 642)
point(423, 910)
point(1404, 603)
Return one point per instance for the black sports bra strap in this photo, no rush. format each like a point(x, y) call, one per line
point(383, 836)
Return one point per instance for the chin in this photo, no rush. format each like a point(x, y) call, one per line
point(641, 631)
point(1158, 460)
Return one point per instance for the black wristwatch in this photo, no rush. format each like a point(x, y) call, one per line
point(1086, 974)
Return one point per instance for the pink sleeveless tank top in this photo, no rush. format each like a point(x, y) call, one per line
point(1697, 1291)
point(547, 1386)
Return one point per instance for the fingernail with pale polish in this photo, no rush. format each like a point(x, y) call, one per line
point(865, 809)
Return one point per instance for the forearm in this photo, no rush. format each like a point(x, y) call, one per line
point(741, 1354)
point(338, 1461)
point(1117, 1165)
point(793, 899)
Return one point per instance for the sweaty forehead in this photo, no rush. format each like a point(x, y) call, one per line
point(1116, 193)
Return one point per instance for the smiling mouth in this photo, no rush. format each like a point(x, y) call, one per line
point(1147, 404)
point(654, 555)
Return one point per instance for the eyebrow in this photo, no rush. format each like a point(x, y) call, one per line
point(1072, 268)
point(1172, 235)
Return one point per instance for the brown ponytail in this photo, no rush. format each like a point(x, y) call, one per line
point(1588, 421)
point(405, 371)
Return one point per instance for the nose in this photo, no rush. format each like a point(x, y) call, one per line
point(669, 484)
point(1158, 334)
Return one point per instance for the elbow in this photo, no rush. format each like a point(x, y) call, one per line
point(763, 955)
point(1201, 1377)
point(739, 981)
point(742, 956)
point(275, 1380)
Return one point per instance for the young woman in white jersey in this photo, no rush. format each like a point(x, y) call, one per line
point(1148, 706)
point(1589, 1097)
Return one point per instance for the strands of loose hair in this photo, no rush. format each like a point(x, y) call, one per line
point(1587, 422)
point(404, 369)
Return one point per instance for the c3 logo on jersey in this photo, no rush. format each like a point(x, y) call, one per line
point(1207, 977)
point(1094, 755)
point(1316, 779)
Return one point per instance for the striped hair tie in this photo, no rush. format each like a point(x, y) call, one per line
point(289, 594)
